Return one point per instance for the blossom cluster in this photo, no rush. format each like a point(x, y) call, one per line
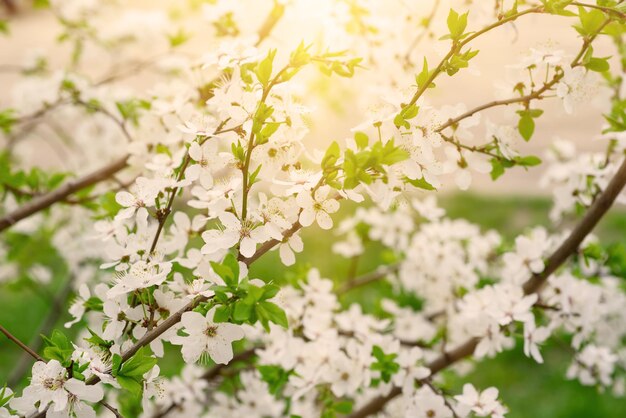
point(217, 163)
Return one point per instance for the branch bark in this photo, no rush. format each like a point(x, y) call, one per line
point(45, 201)
point(533, 285)
point(58, 307)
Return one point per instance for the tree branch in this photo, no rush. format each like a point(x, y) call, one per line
point(53, 316)
point(533, 285)
point(62, 192)
point(20, 344)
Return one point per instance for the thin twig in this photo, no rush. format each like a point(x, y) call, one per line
point(58, 304)
point(20, 344)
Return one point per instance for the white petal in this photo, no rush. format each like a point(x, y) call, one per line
point(125, 199)
point(286, 255)
point(324, 220)
point(193, 322)
point(304, 200)
point(230, 221)
point(330, 206)
point(90, 393)
point(247, 248)
point(192, 349)
point(307, 216)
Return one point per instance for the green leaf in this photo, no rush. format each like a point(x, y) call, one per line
point(456, 25)
point(178, 38)
point(421, 184)
point(242, 311)
point(139, 364)
point(528, 161)
point(7, 120)
point(4, 399)
point(268, 311)
point(599, 65)
point(590, 21)
point(269, 291)
point(130, 384)
point(361, 140)
point(263, 69)
point(422, 78)
point(275, 376)
point(497, 169)
point(222, 313)
point(526, 126)
point(58, 347)
point(228, 270)
point(343, 407)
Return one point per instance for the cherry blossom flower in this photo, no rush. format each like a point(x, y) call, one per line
point(483, 403)
point(532, 338)
point(205, 337)
point(317, 208)
point(235, 231)
point(145, 191)
point(50, 387)
point(427, 404)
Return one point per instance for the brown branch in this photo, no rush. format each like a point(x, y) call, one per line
point(368, 278)
point(20, 344)
point(533, 285)
point(58, 304)
point(59, 194)
point(270, 22)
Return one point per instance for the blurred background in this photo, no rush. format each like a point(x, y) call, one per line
point(509, 206)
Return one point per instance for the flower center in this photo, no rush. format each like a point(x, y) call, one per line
point(211, 331)
point(52, 384)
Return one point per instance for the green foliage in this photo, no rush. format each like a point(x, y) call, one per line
point(526, 124)
point(456, 26)
point(263, 112)
point(4, 27)
point(422, 78)
point(592, 63)
point(459, 61)
point(97, 342)
point(178, 38)
point(250, 303)
point(557, 7)
point(129, 374)
point(331, 63)
point(275, 376)
point(499, 165)
point(58, 347)
point(131, 109)
point(591, 21)
point(7, 118)
point(330, 170)
point(226, 25)
point(228, 270)
point(263, 69)
point(384, 364)
point(4, 397)
point(407, 113)
point(331, 406)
